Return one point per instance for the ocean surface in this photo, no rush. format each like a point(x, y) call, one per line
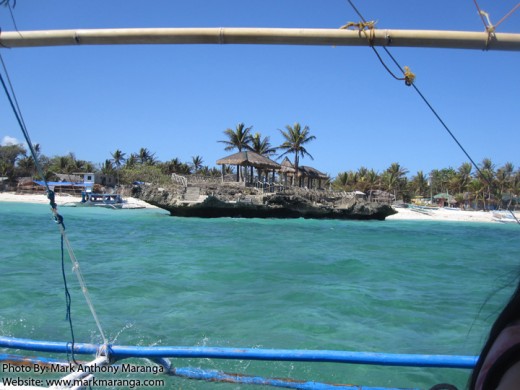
point(392, 286)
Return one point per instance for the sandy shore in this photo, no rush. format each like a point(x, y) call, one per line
point(444, 215)
point(61, 199)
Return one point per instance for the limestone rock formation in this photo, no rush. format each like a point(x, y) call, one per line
point(214, 201)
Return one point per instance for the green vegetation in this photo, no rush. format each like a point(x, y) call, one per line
point(295, 138)
point(487, 186)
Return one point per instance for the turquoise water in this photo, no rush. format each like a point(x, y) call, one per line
point(392, 286)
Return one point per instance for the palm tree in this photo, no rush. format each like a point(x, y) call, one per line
point(118, 158)
point(504, 178)
point(107, 167)
point(63, 164)
point(131, 161)
point(476, 190)
point(26, 166)
point(238, 139)
point(419, 184)
point(196, 162)
point(295, 139)
point(146, 157)
point(176, 166)
point(515, 187)
point(73, 164)
point(463, 177)
point(373, 180)
point(366, 179)
point(486, 175)
point(261, 146)
point(341, 180)
point(394, 178)
point(87, 166)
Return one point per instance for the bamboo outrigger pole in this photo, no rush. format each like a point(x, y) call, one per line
point(264, 36)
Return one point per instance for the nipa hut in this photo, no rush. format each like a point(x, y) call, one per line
point(248, 159)
point(311, 175)
point(307, 176)
point(287, 170)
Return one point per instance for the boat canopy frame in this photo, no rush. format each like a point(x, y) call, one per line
point(264, 36)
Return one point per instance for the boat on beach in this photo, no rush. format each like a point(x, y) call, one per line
point(504, 217)
point(426, 210)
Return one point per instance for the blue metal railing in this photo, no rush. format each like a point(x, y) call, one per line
point(159, 355)
point(295, 355)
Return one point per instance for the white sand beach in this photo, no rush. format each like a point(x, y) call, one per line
point(61, 199)
point(402, 213)
point(444, 215)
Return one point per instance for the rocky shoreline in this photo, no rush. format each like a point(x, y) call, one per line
point(217, 201)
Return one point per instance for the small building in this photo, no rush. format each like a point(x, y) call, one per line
point(89, 179)
point(287, 171)
point(311, 177)
point(445, 199)
point(248, 159)
point(307, 176)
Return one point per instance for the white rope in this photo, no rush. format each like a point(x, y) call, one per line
point(81, 280)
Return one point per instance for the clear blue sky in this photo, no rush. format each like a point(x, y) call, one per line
point(177, 100)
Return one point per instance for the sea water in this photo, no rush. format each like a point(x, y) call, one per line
point(378, 286)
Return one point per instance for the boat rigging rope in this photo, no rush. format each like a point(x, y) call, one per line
point(489, 26)
point(54, 208)
point(410, 82)
point(363, 26)
point(68, 300)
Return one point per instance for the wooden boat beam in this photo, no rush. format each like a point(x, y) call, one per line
point(263, 36)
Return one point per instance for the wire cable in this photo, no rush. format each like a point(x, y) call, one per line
point(430, 106)
point(507, 15)
point(51, 196)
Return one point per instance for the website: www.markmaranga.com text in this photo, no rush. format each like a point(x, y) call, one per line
point(92, 382)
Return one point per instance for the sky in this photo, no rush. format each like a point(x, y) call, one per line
point(177, 100)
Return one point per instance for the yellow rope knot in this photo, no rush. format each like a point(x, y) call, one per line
point(360, 25)
point(409, 77)
point(363, 27)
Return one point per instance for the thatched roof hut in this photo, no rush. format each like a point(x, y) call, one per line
point(248, 159)
point(304, 173)
point(310, 174)
point(287, 167)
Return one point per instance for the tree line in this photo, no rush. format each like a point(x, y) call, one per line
point(485, 185)
point(15, 162)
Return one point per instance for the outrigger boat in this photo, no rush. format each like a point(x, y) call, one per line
point(504, 217)
point(107, 354)
point(427, 210)
point(114, 201)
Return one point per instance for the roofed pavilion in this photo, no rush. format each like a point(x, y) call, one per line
point(248, 159)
